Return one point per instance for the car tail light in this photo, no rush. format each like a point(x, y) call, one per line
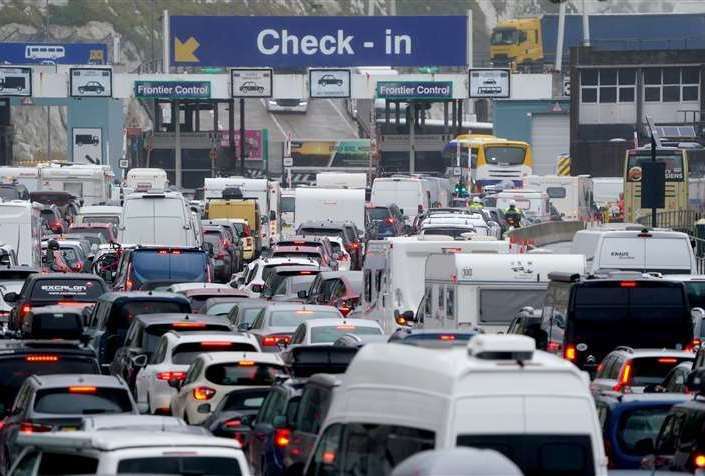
point(699, 460)
point(554, 346)
point(171, 376)
point(24, 310)
point(233, 423)
point(282, 437)
point(667, 360)
point(215, 344)
point(41, 358)
point(203, 393)
point(188, 325)
point(446, 337)
point(345, 310)
point(570, 353)
point(246, 363)
point(328, 457)
point(389, 220)
point(240, 438)
point(82, 389)
point(275, 339)
point(78, 266)
point(692, 347)
point(628, 284)
point(30, 427)
point(128, 282)
point(624, 377)
point(355, 245)
point(246, 231)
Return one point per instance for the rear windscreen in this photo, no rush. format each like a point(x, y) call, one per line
point(296, 283)
point(200, 465)
point(84, 290)
point(540, 455)
point(639, 424)
point(185, 354)
point(170, 266)
point(57, 325)
point(321, 232)
point(102, 231)
point(696, 293)
point(322, 335)
point(294, 318)
point(499, 306)
point(14, 370)
point(652, 370)
point(82, 400)
point(115, 220)
point(297, 254)
point(244, 400)
point(220, 309)
point(243, 373)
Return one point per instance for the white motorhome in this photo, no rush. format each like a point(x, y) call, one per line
point(341, 180)
point(663, 251)
point(160, 219)
point(99, 214)
point(497, 392)
point(533, 203)
point(287, 211)
point(146, 179)
point(411, 194)
point(394, 268)
point(486, 291)
point(312, 204)
point(92, 183)
point(606, 190)
point(27, 176)
point(572, 196)
point(22, 230)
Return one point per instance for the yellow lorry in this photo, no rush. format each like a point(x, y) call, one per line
point(242, 209)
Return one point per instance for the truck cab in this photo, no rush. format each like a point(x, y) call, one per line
point(516, 42)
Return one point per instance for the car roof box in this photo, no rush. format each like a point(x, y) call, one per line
point(305, 361)
point(502, 347)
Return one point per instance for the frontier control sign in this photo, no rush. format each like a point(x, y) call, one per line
point(405, 90)
point(318, 41)
point(173, 89)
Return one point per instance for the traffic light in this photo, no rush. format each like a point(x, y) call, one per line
point(461, 190)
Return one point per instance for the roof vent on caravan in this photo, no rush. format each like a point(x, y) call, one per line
point(502, 347)
point(232, 193)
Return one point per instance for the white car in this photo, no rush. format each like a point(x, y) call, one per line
point(128, 451)
point(456, 223)
point(172, 358)
point(182, 287)
point(336, 243)
point(327, 331)
point(287, 105)
point(213, 375)
point(255, 275)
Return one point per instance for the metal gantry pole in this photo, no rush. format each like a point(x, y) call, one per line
point(242, 137)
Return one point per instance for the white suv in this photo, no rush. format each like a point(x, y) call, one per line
point(255, 275)
point(172, 357)
point(212, 376)
point(123, 451)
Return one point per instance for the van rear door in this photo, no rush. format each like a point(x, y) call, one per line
point(668, 254)
point(621, 252)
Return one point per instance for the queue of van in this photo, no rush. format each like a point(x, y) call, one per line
point(367, 326)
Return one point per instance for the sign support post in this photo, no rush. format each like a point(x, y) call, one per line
point(176, 117)
point(242, 137)
point(231, 127)
point(412, 137)
point(166, 37)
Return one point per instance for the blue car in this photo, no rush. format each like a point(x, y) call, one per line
point(628, 420)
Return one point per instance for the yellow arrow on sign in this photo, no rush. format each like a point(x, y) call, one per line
point(184, 52)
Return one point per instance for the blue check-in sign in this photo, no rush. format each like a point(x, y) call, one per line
point(173, 89)
point(406, 90)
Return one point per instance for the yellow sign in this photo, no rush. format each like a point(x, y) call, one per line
point(184, 52)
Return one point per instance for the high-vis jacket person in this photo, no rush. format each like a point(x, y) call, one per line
point(513, 215)
point(476, 204)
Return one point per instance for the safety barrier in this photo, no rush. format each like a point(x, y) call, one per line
point(542, 234)
point(678, 220)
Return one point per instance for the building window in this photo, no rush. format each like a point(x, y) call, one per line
point(626, 94)
point(589, 95)
point(652, 76)
point(671, 93)
point(690, 93)
point(671, 84)
point(608, 95)
point(652, 94)
point(600, 86)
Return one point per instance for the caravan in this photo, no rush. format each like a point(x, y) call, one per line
point(572, 196)
point(486, 291)
point(394, 268)
point(91, 183)
point(27, 176)
point(342, 204)
point(21, 229)
point(145, 179)
point(341, 180)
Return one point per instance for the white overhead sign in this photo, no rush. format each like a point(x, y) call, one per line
point(15, 81)
point(489, 83)
point(251, 83)
point(87, 145)
point(91, 82)
point(329, 83)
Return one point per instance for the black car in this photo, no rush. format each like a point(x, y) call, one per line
point(53, 322)
point(92, 87)
point(251, 87)
point(66, 289)
point(234, 415)
point(329, 79)
point(143, 335)
point(384, 221)
point(113, 313)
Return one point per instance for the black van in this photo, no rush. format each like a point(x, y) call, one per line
point(598, 314)
point(154, 267)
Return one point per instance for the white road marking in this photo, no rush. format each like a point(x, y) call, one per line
point(275, 120)
point(342, 116)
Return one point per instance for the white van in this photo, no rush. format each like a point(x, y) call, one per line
point(497, 392)
point(606, 190)
point(341, 180)
point(533, 203)
point(92, 183)
point(27, 176)
point(160, 219)
point(287, 211)
point(22, 230)
point(441, 191)
point(667, 252)
point(393, 272)
point(146, 179)
point(572, 196)
point(486, 291)
point(410, 194)
point(99, 214)
point(314, 204)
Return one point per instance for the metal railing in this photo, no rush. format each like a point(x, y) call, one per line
point(678, 220)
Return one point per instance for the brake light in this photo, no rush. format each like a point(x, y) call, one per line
point(355, 245)
point(390, 220)
point(299, 242)
point(667, 360)
point(128, 282)
point(171, 376)
point(78, 266)
point(344, 310)
point(692, 347)
point(234, 423)
point(570, 353)
point(203, 393)
point(188, 325)
point(624, 377)
point(328, 457)
point(246, 363)
point(29, 427)
point(82, 389)
point(282, 437)
point(346, 327)
point(24, 310)
point(699, 460)
point(275, 339)
point(554, 346)
point(216, 343)
point(303, 273)
point(246, 231)
point(628, 284)
point(446, 337)
point(303, 311)
point(41, 358)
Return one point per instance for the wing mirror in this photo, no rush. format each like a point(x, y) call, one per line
point(11, 297)
point(244, 326)
point(404, 318)
point(140, 360)
point(303, 294)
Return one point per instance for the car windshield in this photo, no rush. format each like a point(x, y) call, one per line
point(244, 372)
point(200, 465)
point(505, 155)
point(325, 334)
point(220, 309)
point(296, 284)
point(503, 37)
point(83, 290)
point(82, 400)
point(185, 354)
point(244, 400)
point(378, 213)
point(652, 370)
point(293, 318)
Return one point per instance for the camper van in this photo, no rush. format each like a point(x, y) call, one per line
point(146, 179)
point(341, 180)
point(495, 392)
point(394, 268)
point(27, 176)
point(341, 204)
point(481, 290)
point(412, 195)
point(21, 229)
point(159, 219)
point(572, 196)
point(534, 203)
point(606, 190)
point(91, 183)
point(634, 248)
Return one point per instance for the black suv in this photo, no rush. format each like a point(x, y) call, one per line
point(384, 222)
point(113, 313)
point(65, 289)
point(345, 230)
point(154, 267)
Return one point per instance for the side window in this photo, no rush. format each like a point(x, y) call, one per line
point(378, 280)
point(602, 413)
point(327, 458)
point(252, 274)
point(604, 367)
point(193, 372)
point(450, 302)
point(299, 335)
point(274, 407)
point(159, 354)
point(310, 414)
point(21, 399)
point(441, 297)
point(428, 301)
point(690, 431)
point(257, 323)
